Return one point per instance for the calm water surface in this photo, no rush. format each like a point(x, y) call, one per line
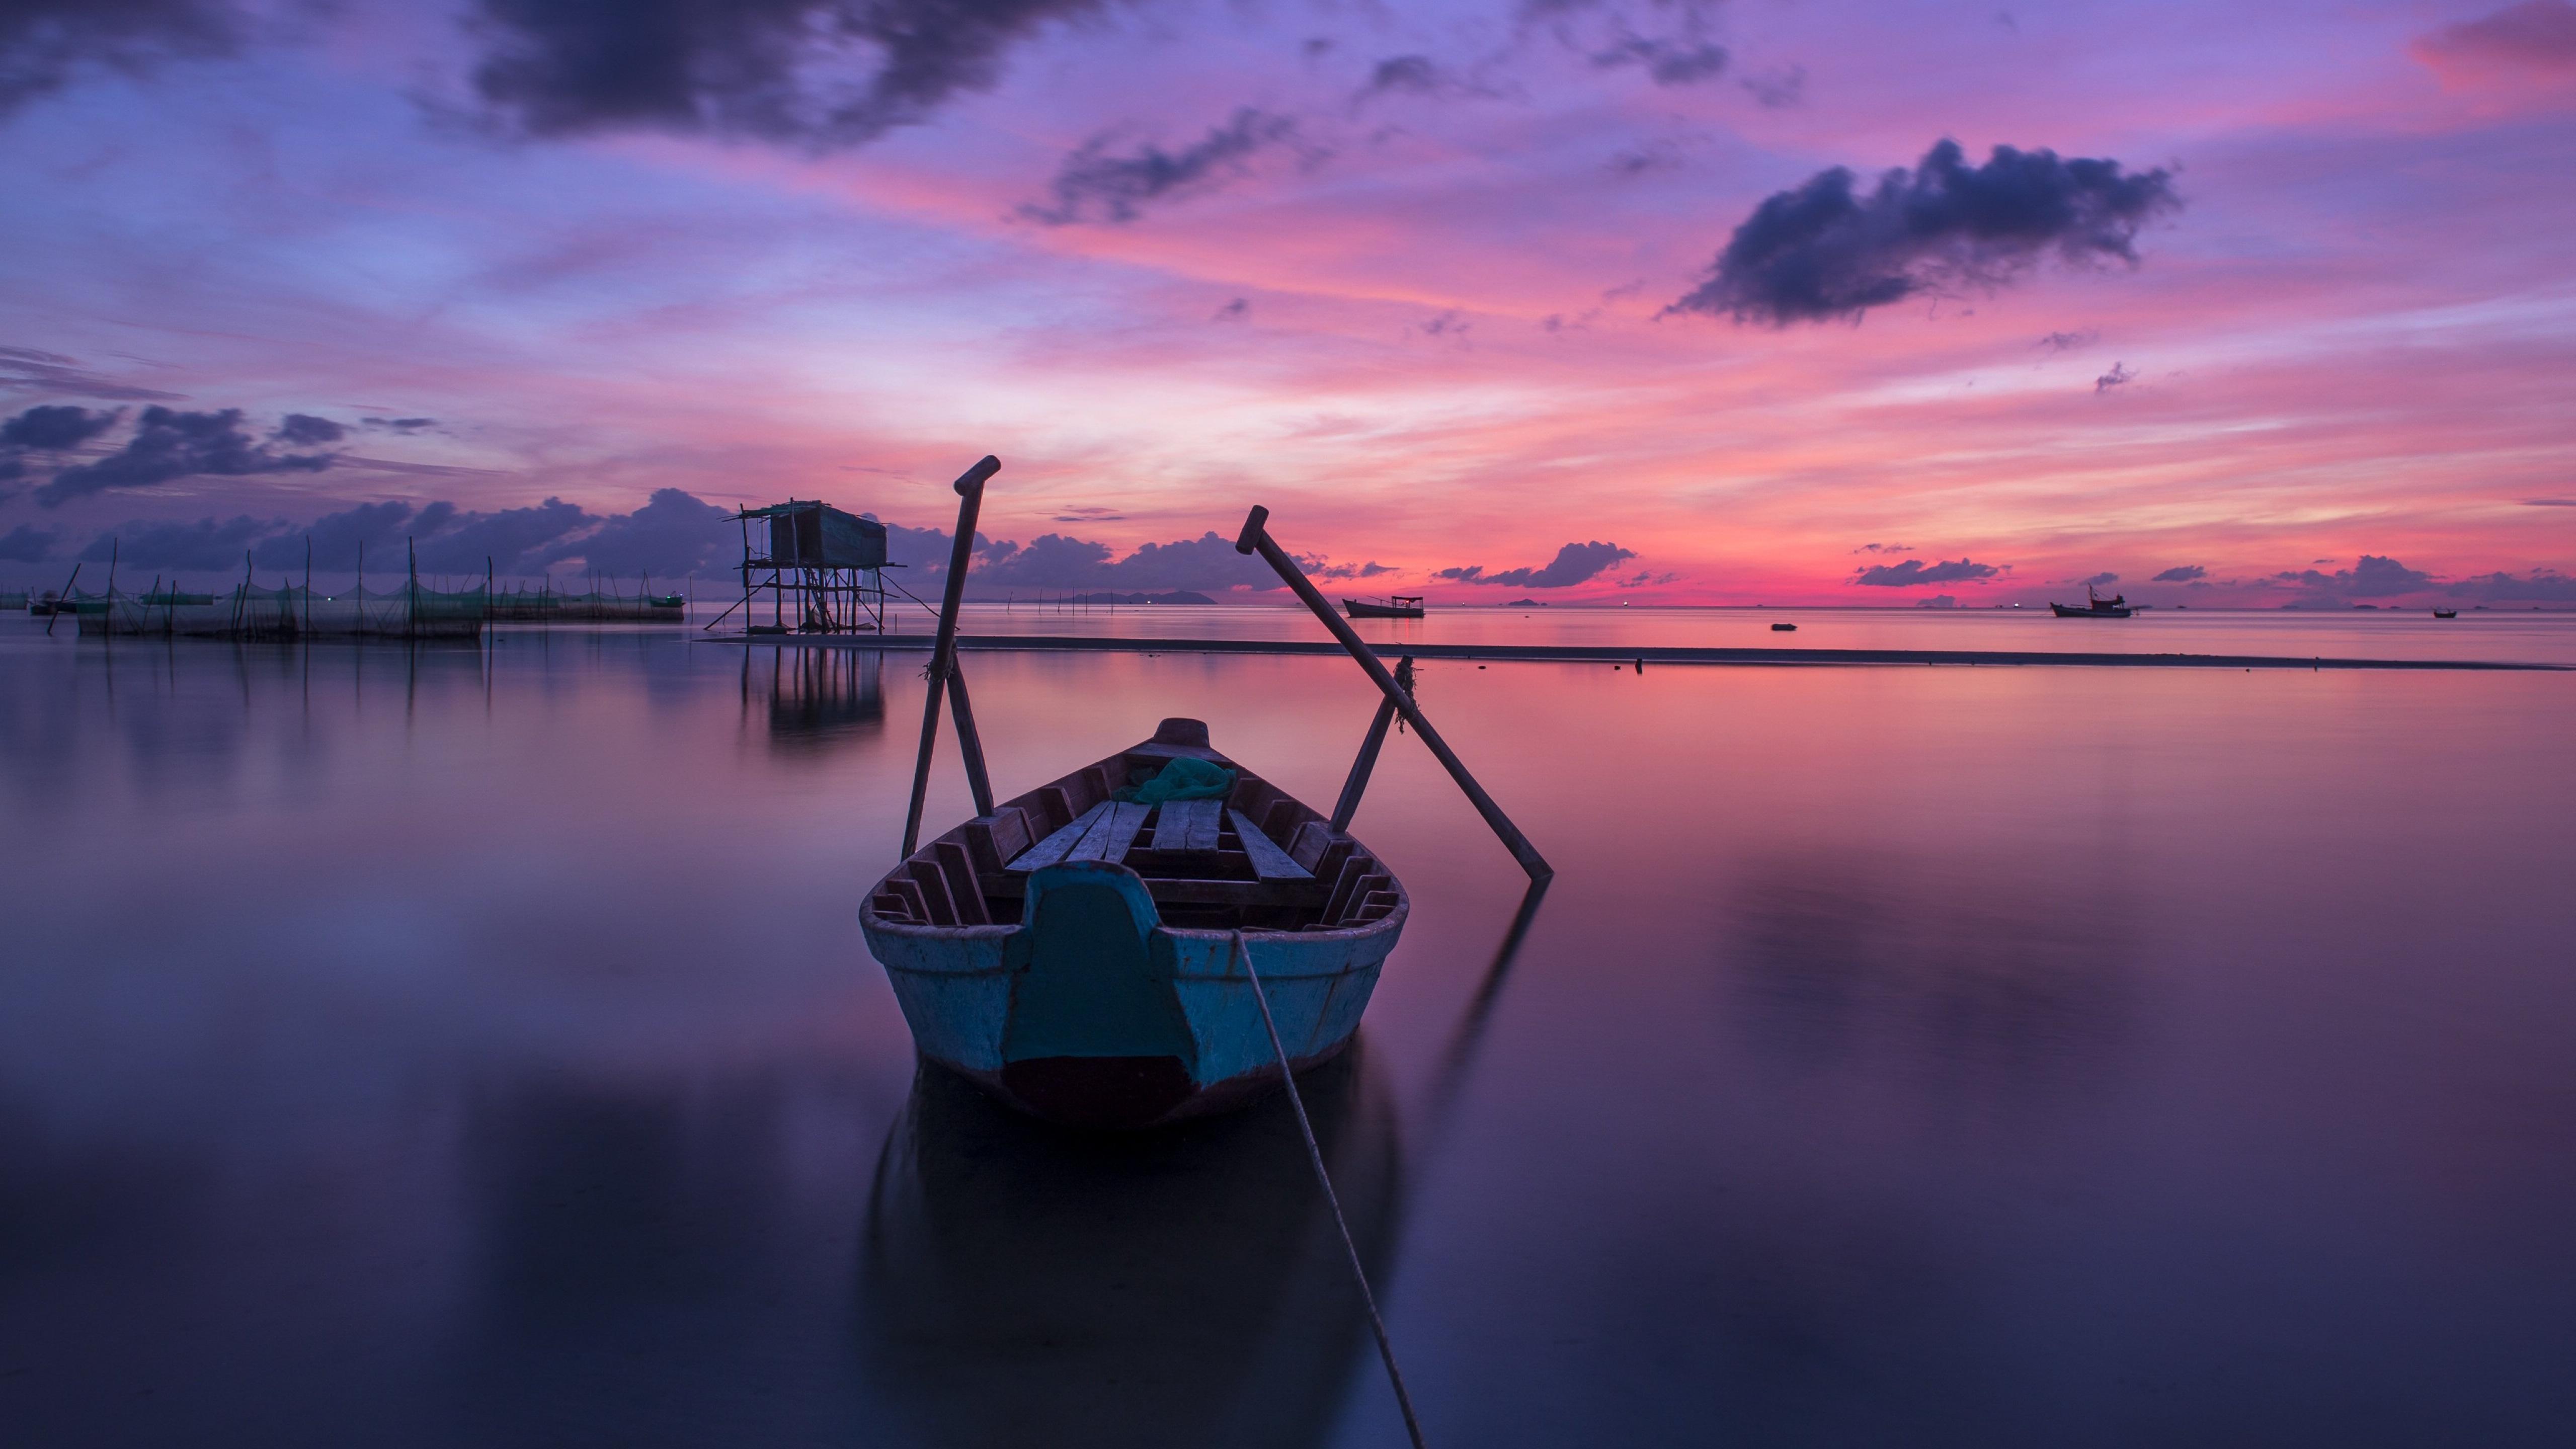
point(476, 1047)
point(2514, 636)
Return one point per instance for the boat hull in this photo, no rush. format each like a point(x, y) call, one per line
point(1358, 610)
point(2068, 611)
point(957, 990)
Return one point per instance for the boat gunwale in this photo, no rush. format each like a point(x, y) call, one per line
point(872, 919)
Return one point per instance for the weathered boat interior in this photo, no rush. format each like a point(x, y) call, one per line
point(1258, 859)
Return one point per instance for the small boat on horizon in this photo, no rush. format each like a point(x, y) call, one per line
point(2095, 607)
point(1397, 606)
point(2446, 613)
point(1784, 628)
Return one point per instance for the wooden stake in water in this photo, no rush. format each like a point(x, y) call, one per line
point(1324, 1180)
point(943, 657)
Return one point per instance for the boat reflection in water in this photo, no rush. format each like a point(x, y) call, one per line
point(1021, 1283)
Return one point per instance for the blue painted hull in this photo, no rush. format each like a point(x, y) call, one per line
point(956, 993)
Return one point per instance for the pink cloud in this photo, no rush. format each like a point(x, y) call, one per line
point(2524, 47)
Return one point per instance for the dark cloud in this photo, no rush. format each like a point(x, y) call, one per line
point(45, 44)
point(673, 534)
point(2068, 341)
point(1206, 564)
point(816, 74)
point(2105, 577)
point(1451, 323)
point(2549, 503)
point(169, 445)
point(1234, 311)
point(1825, 251)
point(2370, 577)
point(1669, 62)
point(1653, 156)
point(338, 537)
point(55, 428)
point(1096, 186)
point(1415, 75)
point(25, 367)
point(1777, 88)
point(513, 540)
point(1573, 564)
point(2118, 376)
point(2180, 574)
point(1915, 571)
point(400, 425)
point(2540, 586)
point(1885, 548)
point(1339, 572)
point(205, 544)
point(303, 430)
point(27, 544)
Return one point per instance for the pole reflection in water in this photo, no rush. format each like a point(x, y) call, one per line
point(1024, 1284)
point(816, 698)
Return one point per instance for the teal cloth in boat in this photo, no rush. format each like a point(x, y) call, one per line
point(1182, 779)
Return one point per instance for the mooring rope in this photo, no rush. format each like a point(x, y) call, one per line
point(1324, 1179)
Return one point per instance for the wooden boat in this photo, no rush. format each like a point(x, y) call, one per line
point(1083, 957)
point(2446, 613)
point(2095, 607)
point(1397, 606)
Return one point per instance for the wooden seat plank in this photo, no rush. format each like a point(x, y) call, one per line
point(1189, 826)
point(1060, 843)
point(1269, 862)
point(1111, 834)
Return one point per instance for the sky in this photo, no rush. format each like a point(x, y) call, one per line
point(1681, 302)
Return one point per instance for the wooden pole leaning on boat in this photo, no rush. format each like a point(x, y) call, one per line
point(943, 664)
point(1361, 767)
point(1256, 538)
point(63, 600)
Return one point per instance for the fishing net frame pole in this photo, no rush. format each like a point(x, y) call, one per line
point(944, 674)
point(1256, 538)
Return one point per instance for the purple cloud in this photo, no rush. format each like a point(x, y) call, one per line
point(1915, 571)
point(1573, 564)
point(169, 445)
point(1824, 251)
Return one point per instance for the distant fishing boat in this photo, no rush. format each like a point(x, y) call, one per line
point(1784, 628)
point(2096, 607)
point(1077, 954)
point(1397, 606)
point(2446, 613)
